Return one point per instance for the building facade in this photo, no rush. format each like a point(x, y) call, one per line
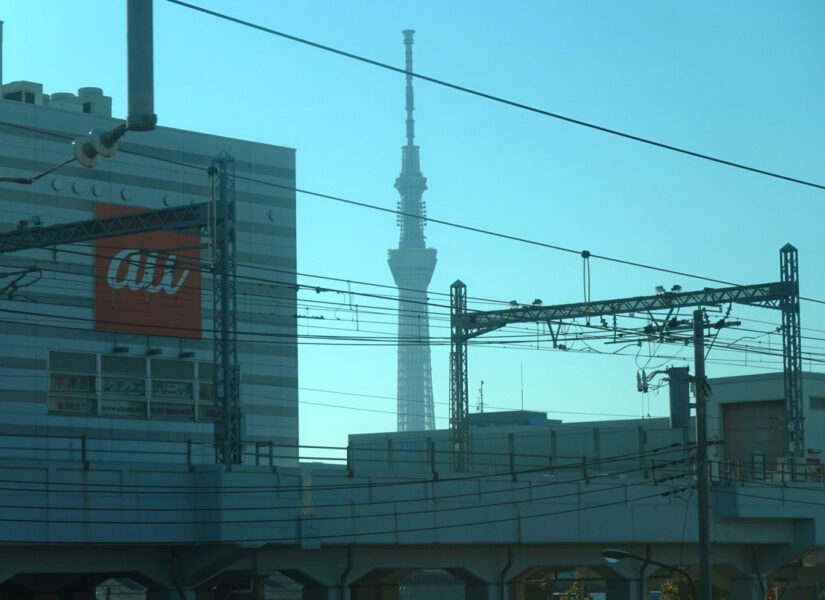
point(107, 346)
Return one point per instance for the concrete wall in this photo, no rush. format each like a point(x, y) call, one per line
point(604, 446)
point(764, 388)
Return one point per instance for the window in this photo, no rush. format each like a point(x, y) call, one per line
point(206, 393)
point(72, 383)
point(816, 402)
point(173, 389)
point(115, 385)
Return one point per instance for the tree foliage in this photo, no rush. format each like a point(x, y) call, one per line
point(580, 590)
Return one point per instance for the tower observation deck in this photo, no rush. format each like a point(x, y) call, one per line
point(412, 265)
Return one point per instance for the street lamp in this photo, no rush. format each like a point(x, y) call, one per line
point(613, 555)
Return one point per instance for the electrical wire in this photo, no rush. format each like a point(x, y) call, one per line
point(532, 487)
point(395, 513)
point(498, 99)
point(398, 530)
point(466, 227)
point(165, 489)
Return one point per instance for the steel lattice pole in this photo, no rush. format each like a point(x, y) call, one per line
point(459, 409)
point(226, 385)
point(792, 352)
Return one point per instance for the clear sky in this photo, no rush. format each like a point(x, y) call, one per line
point(741, 80)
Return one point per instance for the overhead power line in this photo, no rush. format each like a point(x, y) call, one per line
point(395, 512)
point(453, 224)
point(499, 99)
point(66, 487)
point(673, 491)
point(529, 485)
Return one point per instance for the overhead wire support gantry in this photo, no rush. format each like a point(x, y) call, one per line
point(782, 295)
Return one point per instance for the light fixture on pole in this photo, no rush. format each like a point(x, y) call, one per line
point(612, 555)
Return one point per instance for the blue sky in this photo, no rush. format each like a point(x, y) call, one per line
point(739, 80)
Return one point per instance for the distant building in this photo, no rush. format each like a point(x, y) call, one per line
point(746, 422)
point(112, 340)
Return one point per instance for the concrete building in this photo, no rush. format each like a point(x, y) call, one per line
point(112, 340)
point(745, 415)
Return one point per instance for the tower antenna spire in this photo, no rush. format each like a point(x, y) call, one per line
point(408, 43)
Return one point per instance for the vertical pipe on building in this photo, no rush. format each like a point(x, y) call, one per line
point(511, 445)
point(1, 60)
point(140, 56)
point(431, 453)
point(83, 457)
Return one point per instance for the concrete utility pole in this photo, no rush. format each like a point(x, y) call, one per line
point(140, 50)
point(702, 471)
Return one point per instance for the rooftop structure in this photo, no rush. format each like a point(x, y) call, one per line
point(89, 100)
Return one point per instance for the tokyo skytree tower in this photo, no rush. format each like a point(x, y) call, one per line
point(412, 265)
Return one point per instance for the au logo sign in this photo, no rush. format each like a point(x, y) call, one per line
point(148, 283)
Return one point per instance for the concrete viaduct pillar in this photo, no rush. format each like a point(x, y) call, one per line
point(748, 588)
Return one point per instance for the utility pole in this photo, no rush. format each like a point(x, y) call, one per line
point(140, 50)
point(228, 424)
point(459, 413)
point(702, 471)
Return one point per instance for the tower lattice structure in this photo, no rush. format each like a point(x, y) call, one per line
point(412, 265)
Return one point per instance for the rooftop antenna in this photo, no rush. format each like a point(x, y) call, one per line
point(521, 368)
point(410, 105)
point(480, 406)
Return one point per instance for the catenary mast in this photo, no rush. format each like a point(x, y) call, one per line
point(412, 266)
